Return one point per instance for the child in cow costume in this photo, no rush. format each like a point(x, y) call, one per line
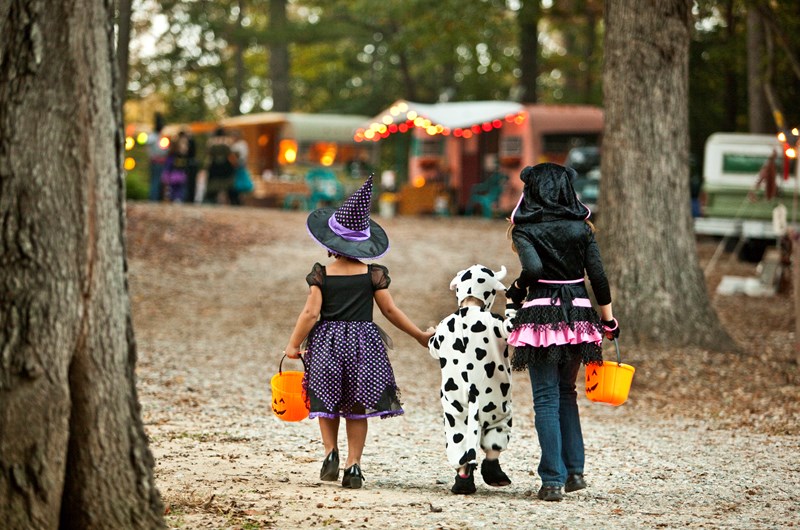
point(476, 377)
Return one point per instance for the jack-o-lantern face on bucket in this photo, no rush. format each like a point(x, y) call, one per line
point(278, 406)
point(592, 378)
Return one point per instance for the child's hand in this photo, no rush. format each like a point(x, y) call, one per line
point(610, 328)
point(425, 337)
point(292, 353)
point(515, 293)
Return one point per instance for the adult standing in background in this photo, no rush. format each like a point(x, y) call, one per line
point(157, 155)
point(192, 165)
point(242, 181)
point(219, 167)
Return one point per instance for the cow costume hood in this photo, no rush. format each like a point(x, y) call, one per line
point(479, 282)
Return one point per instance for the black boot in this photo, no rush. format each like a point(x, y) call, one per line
point(492, 474)
point(574, 482)
point(465, 485)
point(550, 493)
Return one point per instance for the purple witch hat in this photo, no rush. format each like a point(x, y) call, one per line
point(348, 230)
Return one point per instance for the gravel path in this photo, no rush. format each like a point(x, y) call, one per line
point(210, 328)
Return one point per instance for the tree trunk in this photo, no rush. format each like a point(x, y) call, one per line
point(73, 452)
point(238, 59)
point(123, 43)
point(646, 233)
point(588, 56)
point(279, 57)
point(528, 22)
point(409, 84)
point(757, 110)
point(731, 95)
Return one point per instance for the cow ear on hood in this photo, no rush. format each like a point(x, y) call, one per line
point(454, 281)
point(498, 285)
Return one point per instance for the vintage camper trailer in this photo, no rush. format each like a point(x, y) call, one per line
point(731, 165)
point(468, 155)
point(285, 147)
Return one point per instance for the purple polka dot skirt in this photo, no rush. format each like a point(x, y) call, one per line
point(348, 374)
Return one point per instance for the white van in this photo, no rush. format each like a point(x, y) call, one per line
point(730, 172)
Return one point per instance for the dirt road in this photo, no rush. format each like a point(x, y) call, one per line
point(215, 292)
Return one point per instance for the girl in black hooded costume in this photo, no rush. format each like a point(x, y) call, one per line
point(557, 327)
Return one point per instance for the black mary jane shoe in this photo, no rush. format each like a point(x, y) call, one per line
point(353, 478)
point(550, 493)
point(330, 467)
point(574, 482)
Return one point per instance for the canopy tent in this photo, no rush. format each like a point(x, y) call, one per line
point(441, 118)
point(304, 127)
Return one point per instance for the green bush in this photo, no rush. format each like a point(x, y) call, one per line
point(136, 187)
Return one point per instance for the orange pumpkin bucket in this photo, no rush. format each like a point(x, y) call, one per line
point(609, 382)
point(288, 396)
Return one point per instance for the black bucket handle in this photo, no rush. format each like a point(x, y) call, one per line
point(280, 366)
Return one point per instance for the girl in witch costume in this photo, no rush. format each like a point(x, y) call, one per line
point(557, 327)
point(348, 374)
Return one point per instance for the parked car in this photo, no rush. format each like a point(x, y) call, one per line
point(586, 162)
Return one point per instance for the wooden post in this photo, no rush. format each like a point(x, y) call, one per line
point(795, 242)
point(796, 284)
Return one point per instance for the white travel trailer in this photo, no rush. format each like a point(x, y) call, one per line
point(731, 205)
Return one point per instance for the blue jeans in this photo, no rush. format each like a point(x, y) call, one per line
point(558, 424)
point(156, 170)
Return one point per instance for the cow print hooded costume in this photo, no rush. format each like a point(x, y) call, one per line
point(476, 376)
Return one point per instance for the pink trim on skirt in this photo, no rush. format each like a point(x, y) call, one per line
point(527, 336)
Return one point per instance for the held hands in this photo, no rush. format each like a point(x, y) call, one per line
point(515, 293)
point(610, 328)
point(425, 337)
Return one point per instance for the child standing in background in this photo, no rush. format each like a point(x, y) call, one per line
point(176, 169)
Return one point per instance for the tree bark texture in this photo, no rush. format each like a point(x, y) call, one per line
point(646, 231)
point(73, 452)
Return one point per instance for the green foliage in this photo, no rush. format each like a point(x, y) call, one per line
point(571, 61)
point(136, 185)
point(718, 98)
point(357, 56)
